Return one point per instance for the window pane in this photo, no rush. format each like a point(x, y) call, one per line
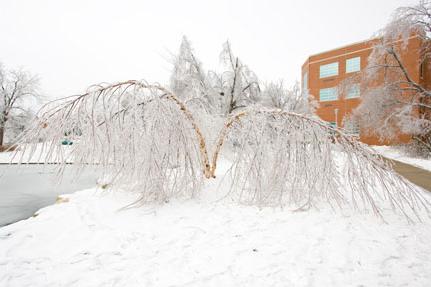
point(305, 82)
point(329, 94)
point(353, 65)
point(353, 91)
point(329, 70)
point(351, 127)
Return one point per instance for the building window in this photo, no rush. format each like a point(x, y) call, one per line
point(353, 65)
point(305, 83)
point(329, 94)
point(353, 91)
point(329, 70)
point(351, 127)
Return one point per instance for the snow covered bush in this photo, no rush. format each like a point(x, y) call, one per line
point(276, 95)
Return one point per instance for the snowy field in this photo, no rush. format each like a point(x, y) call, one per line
point(396, 154)
point(27, 188)
point(89, 239)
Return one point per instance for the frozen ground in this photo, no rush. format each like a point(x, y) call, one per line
point(89, 240)
point(396, 154)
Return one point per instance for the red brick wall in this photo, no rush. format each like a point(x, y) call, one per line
point(410, 57)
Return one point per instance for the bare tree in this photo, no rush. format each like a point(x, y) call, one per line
point(400, 103)
point(240, 86)
point(17, 88)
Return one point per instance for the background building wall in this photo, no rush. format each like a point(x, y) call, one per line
point(337, 110)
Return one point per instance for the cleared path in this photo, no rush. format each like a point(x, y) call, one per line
point(416, 175)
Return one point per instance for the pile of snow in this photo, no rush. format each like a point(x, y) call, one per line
point(394, 153)
point(90, 239)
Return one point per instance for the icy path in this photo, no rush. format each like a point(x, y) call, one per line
point(88, 241)
point(396, 154)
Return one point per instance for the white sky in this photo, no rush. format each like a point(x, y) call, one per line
point(73, 44)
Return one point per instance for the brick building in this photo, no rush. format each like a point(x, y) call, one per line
point(322, 74)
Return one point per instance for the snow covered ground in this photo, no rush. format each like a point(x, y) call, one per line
point(396, 154)
point(89, 239)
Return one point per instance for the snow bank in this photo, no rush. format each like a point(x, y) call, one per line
point(396, 154)
point(89, 240)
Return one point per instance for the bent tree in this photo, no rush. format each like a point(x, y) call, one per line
point(142, 137)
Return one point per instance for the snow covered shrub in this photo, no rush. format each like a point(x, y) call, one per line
point(134, 133)
point(286, 159)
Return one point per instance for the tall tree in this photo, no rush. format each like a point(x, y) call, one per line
point(17, 88)
point(240, 85)
point(219, 92)
point(188, 80)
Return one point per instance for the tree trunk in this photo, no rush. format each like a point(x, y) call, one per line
point(1, 134)
point(2, 128)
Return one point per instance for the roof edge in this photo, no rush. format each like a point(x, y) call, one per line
point(344, 46)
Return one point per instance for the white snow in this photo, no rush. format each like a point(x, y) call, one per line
point(392, 152)
point(91, 240)
point(7, 157)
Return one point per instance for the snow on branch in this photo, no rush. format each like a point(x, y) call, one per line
point(282, 158)
point(142, 137)
point(133, 132)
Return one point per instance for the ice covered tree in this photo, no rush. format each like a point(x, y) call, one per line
point(141, 137)
point(188, 79)
point(144, 138)
point(221, 93)
point(239, 85)
point(400, 103)
point(277, 95)
point(18, 89)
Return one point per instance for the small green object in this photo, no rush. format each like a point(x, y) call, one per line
point(66, 142)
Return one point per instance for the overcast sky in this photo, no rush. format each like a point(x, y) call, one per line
point(73, 44)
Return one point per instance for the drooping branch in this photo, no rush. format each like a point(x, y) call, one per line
point(142, 135)
point(394, 54)
point(70, 104)
point(287, 158)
